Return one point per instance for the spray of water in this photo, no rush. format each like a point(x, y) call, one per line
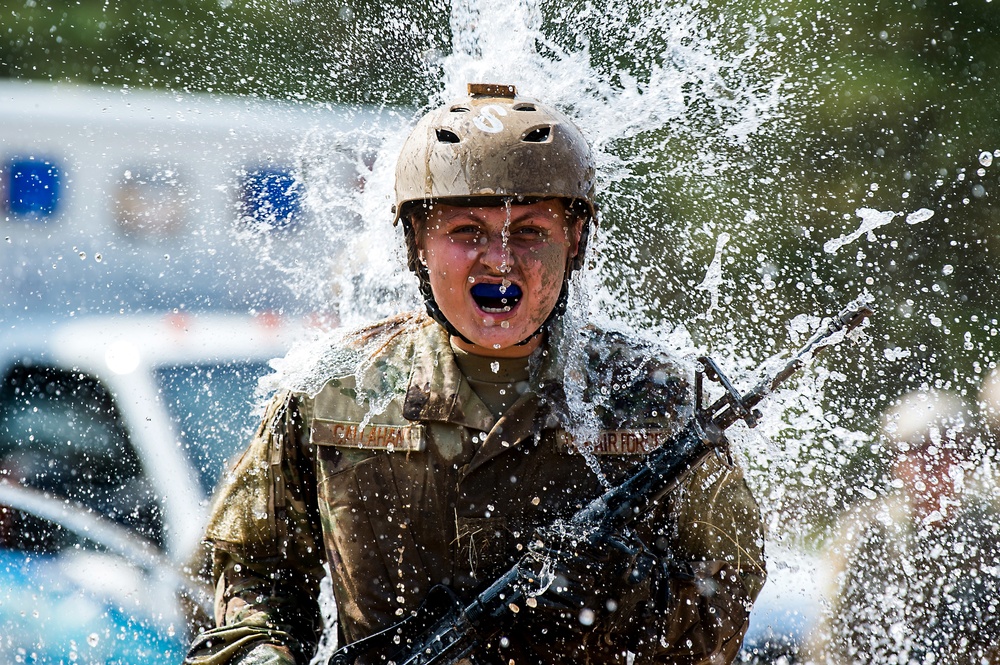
point(680, 258)
point(680, 121)
point(681, 127)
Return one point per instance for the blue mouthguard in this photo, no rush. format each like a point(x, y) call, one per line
point(495, 291)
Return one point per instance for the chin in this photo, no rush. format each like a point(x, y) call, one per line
point(494, 338)
point(496, 342)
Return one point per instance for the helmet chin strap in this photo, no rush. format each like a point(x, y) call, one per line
point(430, 304)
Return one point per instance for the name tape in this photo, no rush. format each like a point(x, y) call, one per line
point(618, 441)
point(404, 438)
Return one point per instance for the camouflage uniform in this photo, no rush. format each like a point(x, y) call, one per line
point(396, 474)
point(915, 593)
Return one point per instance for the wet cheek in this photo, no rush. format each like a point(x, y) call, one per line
point(553, 264)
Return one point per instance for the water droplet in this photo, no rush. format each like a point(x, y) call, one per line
point(921, 215)
point(495, 367)
point(505, 324)
point(472, 280)
point(947, 269)
point(83, 255)
point(93, 639)
point(496, 346)
point(985, 158)
point(587, 617)
point(98, 258)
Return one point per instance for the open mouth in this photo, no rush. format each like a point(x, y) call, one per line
point(496, 298)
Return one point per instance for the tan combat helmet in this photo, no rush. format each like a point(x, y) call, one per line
point(495, 145)
point(490, 148)
point(924, 418)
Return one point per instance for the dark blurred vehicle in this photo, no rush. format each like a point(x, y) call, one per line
point(787, 610)
point(81, 588)
point(133, 419)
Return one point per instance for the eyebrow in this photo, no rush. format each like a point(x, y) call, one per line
point(513, 218)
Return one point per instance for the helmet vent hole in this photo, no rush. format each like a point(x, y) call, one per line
point(459, 109)
point(538, 135)
point(447, 136)
point(524, 107)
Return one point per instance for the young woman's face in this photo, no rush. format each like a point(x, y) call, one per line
point(496, 271)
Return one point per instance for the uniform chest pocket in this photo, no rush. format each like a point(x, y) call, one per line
point(377, 462)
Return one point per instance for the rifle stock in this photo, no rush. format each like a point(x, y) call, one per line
point(443, 630)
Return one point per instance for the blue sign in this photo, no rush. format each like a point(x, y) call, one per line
point(271, 196)
point(33, 186)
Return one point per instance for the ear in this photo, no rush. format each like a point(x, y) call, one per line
point(417, 229)
point(574, 231)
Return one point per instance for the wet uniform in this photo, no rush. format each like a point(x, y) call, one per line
point(401, 477)
point(907, 592)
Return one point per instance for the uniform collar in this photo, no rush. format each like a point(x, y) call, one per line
point(437, 389)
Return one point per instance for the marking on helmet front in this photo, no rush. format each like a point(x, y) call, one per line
point(487, 121)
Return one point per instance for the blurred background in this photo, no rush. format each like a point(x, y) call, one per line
point(762, 164)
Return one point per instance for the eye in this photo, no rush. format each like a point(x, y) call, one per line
point(530, 231)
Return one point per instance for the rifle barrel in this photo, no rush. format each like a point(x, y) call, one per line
point(846, 320)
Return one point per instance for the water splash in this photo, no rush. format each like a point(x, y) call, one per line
point(870, 220)
point(689, 112)
point(690, 88)
point(713, 276)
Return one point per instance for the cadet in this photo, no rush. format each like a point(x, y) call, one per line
point(429, 448)
point(914, 572)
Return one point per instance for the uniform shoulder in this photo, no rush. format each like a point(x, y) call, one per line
point(628, 379)
point(623, 346)
point(376, 337)
point(627, 360)
point(348, 353)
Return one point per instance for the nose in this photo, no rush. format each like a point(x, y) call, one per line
point(496, 253)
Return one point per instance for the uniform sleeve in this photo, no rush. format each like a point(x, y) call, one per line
point(713, 552)
point(265, 539)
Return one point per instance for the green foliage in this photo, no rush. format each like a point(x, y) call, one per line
point(286, 49)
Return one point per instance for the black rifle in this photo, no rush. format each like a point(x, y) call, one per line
point(444, 629)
